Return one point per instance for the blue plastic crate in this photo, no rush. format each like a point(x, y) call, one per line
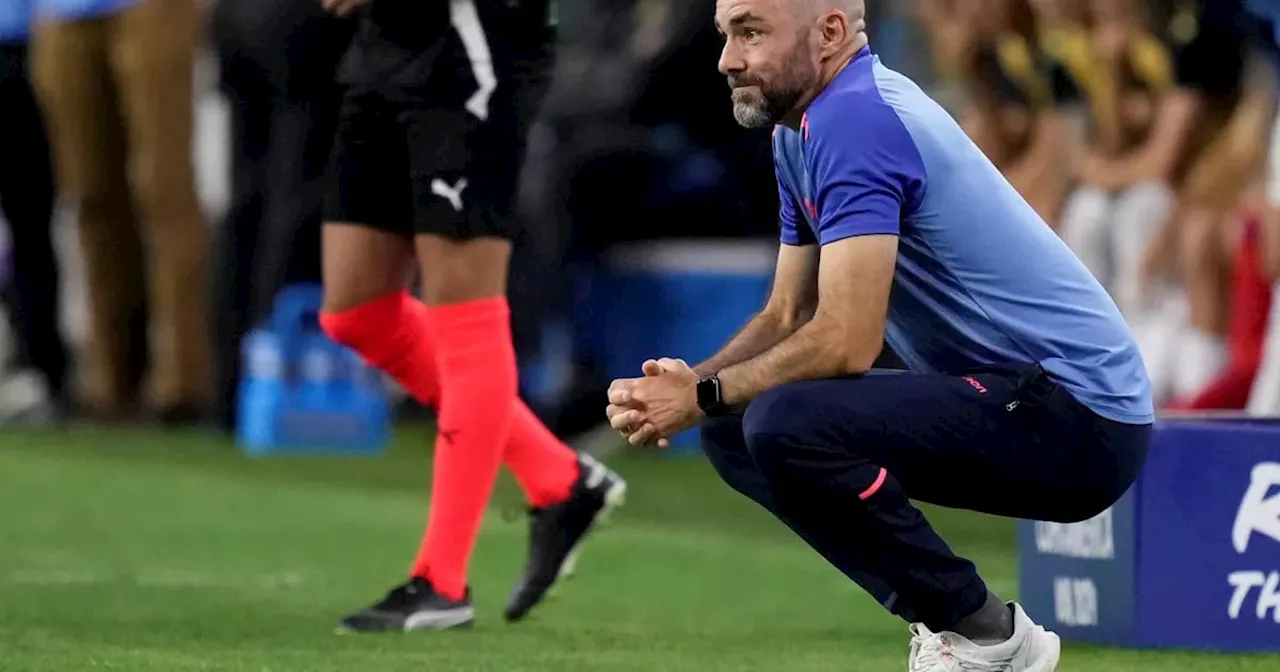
point(303, 393)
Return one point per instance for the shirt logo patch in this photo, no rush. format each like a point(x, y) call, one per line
point(811, 209)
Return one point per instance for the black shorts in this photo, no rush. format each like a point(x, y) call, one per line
point(437, 156)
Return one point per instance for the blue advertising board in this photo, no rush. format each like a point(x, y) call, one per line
point(1078, 579)
point(1189, 558)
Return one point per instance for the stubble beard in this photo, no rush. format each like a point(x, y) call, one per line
point(752, 108)
point(756, 106)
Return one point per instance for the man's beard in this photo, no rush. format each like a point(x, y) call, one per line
point(755, 106)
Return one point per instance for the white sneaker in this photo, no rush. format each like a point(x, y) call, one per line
point(1031, 649)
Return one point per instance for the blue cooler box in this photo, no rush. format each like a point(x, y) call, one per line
point(681, 299)
point(301, 392)
point(1189, 558)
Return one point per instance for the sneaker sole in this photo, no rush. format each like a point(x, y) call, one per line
point(448, 620)
point(459, 619)
point(614, 499)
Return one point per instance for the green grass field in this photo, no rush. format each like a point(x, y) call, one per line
point(131, 550)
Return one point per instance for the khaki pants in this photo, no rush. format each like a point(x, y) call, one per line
point(118, 94)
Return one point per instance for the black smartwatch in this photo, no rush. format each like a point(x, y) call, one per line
point(709, 398)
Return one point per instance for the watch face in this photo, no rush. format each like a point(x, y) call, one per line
point(708, 393)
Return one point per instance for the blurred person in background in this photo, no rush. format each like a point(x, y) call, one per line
point(1264, 396)
point(585, 144)
point(632, 143)
point(1250, 300)
point(1203, 140)
point(1063, 37)
point(1264, 392)
point(27, 203)
point(115, 78)
point(1021, 102)
point(1114, 214)
point(277, 61)
point(423, 174)
point(605, 102)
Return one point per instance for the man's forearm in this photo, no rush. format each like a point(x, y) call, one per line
point(763, 331)
point(818, 349)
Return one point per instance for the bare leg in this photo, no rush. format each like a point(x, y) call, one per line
point(362, 264)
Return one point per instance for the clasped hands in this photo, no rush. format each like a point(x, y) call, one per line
point(656, 407)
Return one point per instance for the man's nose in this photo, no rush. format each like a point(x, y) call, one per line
point(730, 60)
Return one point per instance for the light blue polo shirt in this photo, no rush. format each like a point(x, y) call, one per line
point(981, 279)
point(15, 20)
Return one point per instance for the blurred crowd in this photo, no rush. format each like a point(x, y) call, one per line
point(98, 129)
point(1141, 130)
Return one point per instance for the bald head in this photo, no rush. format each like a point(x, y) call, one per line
point(855, 10)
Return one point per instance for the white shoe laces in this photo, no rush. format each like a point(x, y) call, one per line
point(934, 652)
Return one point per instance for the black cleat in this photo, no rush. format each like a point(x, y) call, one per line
point(555, 533)
point(412, 606)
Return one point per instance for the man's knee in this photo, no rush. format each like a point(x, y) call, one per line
point(725, 448)
point(721, 435)
point(807, 435)
point(769, 428)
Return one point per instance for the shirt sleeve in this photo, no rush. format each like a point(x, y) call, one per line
point(794, 231)
point(867, 172)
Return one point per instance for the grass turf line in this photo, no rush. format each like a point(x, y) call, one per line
point(134, 550)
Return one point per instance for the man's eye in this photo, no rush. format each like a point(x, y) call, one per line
point(750, 33)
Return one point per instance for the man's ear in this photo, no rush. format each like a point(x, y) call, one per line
point(835, 29)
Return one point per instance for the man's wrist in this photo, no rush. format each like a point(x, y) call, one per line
point(732, 384)
point(710, 396)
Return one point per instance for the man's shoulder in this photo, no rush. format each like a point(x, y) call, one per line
point(855, 125)
point(850, 120)
point(864, 104)
point(858, 94)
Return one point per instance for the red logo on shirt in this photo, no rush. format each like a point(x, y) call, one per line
point(804, 126)
point(812, 209)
